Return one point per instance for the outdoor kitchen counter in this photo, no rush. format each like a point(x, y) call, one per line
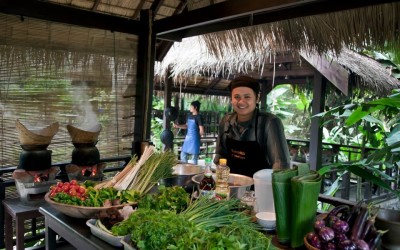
point(71, 229)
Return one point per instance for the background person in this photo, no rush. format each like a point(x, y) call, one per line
point(195, 129)
point(249, 139)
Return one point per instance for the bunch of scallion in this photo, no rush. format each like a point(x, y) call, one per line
point(225, 216)
point(159, 165)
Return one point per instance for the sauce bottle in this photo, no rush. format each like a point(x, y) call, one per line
point(222, 190)
point(207, 184)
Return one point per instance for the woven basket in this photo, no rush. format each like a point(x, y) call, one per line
point(36, 136)
point(84, 136)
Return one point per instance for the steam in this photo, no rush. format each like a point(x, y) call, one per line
point(86, 117)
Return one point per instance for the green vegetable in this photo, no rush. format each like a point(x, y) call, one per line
point(205, 224)
point(170, 198)
point(158, 166)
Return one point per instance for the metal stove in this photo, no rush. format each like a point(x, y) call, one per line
point(33, 185)
point(34, 174)
point(85, 164)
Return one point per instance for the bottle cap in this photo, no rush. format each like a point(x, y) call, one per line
point(222, 161)
point(208, 160)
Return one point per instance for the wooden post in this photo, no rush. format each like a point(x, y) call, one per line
point(144, 86)
point(316, 131)
point(263, 95)
point(167, 102)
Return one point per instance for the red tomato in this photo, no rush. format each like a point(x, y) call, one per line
point(81, 190)
point(52, 194)
point(59, 189)
point(72, 192)
point(73, 187)
point(74, 182)
point(60, 184)
point(52, 187)
point(65, 188)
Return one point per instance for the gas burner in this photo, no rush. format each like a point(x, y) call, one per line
point(33, 185)
point(83, 173)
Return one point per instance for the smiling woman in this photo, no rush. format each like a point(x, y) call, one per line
point(250, 140)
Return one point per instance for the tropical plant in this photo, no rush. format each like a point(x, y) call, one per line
point(293, 107)
point(378, 121)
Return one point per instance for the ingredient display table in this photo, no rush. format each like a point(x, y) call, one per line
point(71, 229)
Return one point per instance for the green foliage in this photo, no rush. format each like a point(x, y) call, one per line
point(379, 123)
point(293, 108)
point(42, 85)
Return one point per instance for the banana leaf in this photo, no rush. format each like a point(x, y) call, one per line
point(282, 199)
point(304, 191)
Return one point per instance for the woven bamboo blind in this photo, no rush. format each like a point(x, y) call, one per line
point(55, 72)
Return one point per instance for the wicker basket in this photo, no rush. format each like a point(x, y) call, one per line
point(84, 136)
point(36, 136)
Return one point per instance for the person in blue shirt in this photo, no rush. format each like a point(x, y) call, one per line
point(195, 130)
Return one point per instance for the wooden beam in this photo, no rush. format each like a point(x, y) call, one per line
point(164, 46)
point(332, 71)
point(235, 14)
point(96, 4)
point(213, 83)
point(138, 9)
point(283, 73)
point(224, 92)
point(65, 14)
point(155, 6)
point(193, 90)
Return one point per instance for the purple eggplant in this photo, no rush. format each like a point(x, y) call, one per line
point(339, 210)
point(362, 245)
point(375, 241)
point(347, 245)
point(313, 239)
point(326, 234)
point(331, 220)
point(318, 224)
point(357, 228)
point(340, 226)
point(329, 246)
point(340, 237)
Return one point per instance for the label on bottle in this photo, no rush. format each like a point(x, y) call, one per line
point(207, 193)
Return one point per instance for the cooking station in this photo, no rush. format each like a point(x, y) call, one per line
point(34, 174)
point(85, 163)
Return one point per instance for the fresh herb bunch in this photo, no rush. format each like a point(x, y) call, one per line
point(205, 224)
point(170, 198)
point(98, 197)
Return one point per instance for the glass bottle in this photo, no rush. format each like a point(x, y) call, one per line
point(222, 190)
point(207, 184)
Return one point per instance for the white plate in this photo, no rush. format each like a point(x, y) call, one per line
point(109, 238)
point(126, 242)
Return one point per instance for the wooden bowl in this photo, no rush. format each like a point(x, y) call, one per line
point(80, 212)
point(308, 245)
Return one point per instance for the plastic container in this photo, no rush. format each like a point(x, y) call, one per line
point(222, 190)
point(263, 190)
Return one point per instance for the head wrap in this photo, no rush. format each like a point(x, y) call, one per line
point(245, 81)
point(196, 104)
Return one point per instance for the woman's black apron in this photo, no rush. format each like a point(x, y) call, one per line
point(245, 157)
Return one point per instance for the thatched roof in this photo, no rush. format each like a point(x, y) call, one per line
point(252, 50)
